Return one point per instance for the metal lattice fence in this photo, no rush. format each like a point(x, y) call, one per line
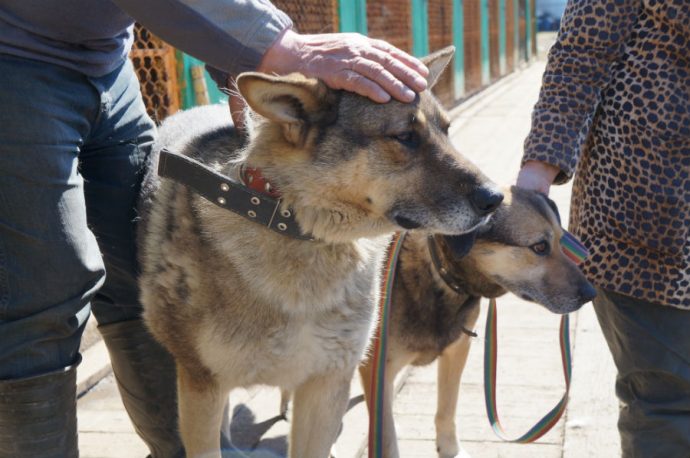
point(155, 65)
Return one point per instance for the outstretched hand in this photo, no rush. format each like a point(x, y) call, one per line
point(350, 61)
point(537, 176)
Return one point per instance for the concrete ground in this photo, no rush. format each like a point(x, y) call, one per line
point(489, 129)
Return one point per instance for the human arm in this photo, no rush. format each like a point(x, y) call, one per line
point(231, 35)
point(592, 38)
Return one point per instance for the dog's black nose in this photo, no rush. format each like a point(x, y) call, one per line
point(586, 293)
point(485, 200)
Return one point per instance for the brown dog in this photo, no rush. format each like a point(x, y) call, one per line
point(237, 304)
point(440, 281)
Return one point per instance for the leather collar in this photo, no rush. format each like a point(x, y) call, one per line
point(442, 269)
point(260, 207)
point(445, 274)
point(253, 179)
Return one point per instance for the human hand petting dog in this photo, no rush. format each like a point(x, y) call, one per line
point(537, 176)
point(350, 61)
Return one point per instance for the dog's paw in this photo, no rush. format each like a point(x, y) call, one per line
point(447, 447)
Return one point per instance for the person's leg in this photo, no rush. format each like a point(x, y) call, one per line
point(50, 265)
point(113, 162)
point(650, 345)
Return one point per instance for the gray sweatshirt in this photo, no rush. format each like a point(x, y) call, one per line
point(94, 36)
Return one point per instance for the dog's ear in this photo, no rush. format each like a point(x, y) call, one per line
point(553, 206)
point(437, 62)
point(289, 100)
point(460, 245)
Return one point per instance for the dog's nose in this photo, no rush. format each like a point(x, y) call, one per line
point(485, 200)
point(586, 293)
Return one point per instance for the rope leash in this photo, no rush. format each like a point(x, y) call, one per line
point(380, 348)
point(490, 365)
point(572, 248)
point(577, 252)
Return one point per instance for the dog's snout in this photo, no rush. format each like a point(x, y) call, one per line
point(485, 200)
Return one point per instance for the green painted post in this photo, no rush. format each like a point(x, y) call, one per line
point(187, 90)
point(484, 19)
point(353, 16)
point(528, 28)
point(502, 35)
point(420, 27)
point(459, 42)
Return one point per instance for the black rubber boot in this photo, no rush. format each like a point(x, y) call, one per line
point(38, 415)
point(146, 379)
point(145, 375)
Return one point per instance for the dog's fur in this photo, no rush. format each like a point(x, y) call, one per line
point(429, 318)
point(237, 304)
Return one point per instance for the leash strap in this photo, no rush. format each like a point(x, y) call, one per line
point(380, 348)
point(226, 193)
point(577, 252)
point(490, 364)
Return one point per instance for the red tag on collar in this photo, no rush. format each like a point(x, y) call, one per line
point(253, 179)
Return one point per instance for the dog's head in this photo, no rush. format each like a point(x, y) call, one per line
point(519, 251)
point(351, 167)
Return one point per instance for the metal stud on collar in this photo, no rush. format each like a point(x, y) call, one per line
point(221, 200)
point(224, 187)
point(282, 226)
point(255, 200)
point(251, 213)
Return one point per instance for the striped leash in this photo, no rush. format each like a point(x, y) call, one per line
point(380, 346)
point(577, 252)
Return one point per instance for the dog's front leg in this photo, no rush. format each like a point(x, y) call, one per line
point(450, 367)
point(317, 413)
point(201, 407)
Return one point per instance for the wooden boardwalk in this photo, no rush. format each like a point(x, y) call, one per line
point(490, 131)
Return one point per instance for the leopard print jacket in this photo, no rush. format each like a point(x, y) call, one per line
point(614, 110)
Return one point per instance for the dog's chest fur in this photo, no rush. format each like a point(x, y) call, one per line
point(427, 315)
point(241, 304)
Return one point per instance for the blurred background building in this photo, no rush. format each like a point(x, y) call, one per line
point(492, 38)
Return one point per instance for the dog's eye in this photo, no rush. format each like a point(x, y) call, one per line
point(409, 138)
point(541, 248)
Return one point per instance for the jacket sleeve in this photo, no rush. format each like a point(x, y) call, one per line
point(231, 35)
point(592, 37)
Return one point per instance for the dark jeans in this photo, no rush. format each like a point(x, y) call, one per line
point(72, 151)
point(651, 348)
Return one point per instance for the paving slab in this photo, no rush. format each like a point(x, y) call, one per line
point(490, 130)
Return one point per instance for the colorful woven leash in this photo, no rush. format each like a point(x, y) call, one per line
point(577, 252)
point(380, 348)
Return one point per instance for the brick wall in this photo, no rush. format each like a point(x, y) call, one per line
point(510, 35)
point(440, 36)
point(494, 40)
point(390, 21)
point(473, 45)
point(311, 16)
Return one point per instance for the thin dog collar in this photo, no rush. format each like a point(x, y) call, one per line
point(446, 277)
point(260, 207)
